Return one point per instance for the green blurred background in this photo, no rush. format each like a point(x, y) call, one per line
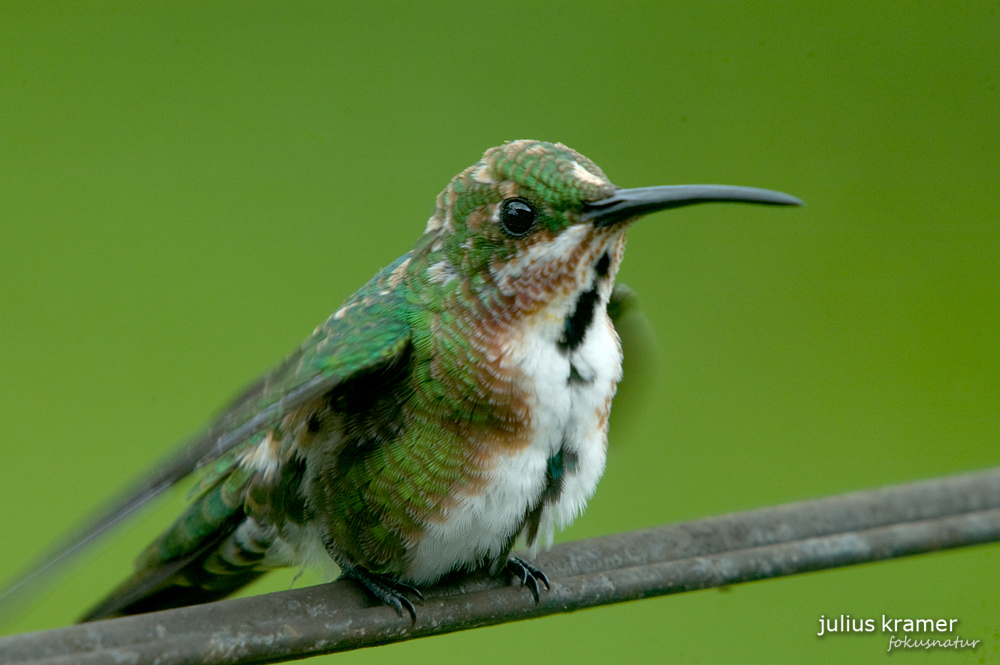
point(187, 189)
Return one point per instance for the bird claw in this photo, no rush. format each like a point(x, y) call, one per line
point(388, 591)
point(528, 575)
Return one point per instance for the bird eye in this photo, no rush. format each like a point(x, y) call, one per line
point(517, 216)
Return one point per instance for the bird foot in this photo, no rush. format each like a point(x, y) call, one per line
point(528, 575)
point(387, 590)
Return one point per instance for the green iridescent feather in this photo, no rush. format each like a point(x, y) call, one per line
point(367, 335)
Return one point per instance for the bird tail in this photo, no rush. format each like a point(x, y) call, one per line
point(211, 551)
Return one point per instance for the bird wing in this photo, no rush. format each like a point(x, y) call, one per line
point(367, 333)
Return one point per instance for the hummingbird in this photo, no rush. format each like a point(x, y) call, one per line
point(456, 403)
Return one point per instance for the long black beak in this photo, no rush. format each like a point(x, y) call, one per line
point(628, 203)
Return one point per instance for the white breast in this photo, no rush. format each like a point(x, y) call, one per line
point(575, 418)
point(568, 415)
